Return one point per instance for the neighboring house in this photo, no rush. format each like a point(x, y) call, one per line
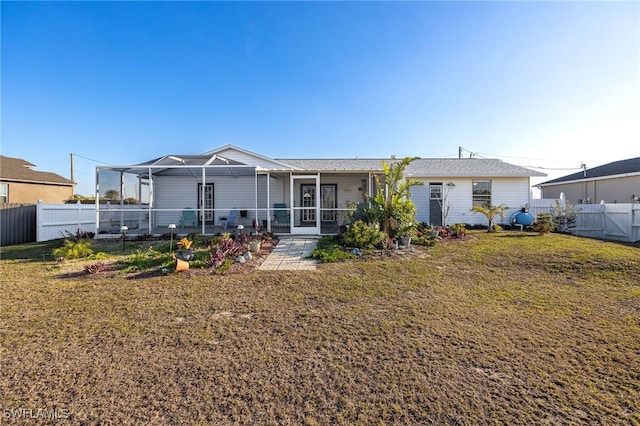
point(19, 183)
point(617, 182)
point(296, 196)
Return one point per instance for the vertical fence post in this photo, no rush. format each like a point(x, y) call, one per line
point(79, 212)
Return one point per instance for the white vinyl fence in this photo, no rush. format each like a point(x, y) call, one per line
point(619, 222)
point(56, 220)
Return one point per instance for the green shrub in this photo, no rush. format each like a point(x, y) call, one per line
point(226, 264)
point(543, 223)
point(362, 235)
point(328, 243)
point(564, 217)
point(73, 250)
point(332, 255)
point(143, 260)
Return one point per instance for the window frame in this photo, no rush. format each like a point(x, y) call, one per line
point(483, 198)
point(4, 192)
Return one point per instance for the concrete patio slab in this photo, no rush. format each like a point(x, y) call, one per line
point(291, 255)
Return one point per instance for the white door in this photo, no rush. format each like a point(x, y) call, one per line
point(206, 203)
point(305, 199)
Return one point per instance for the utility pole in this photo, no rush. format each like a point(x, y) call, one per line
point(460, 153)
point(72, 179)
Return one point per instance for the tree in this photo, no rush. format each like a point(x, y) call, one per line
point(392, 204)
point(112, 194)
point(490, 212)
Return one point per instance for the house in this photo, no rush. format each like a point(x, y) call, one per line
point(616, 182)
point(230, 186)
point(20, 183)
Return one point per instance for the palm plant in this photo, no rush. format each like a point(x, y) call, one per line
point(394, 206)
point(490, 212)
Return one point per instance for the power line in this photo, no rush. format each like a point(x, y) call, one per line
point(91, 159)
point(488, 156)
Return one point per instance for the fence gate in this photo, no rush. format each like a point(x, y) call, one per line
point(617, 222)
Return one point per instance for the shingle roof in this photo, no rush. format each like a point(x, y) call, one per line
point(335, 164)
point(17, 169)
point(466, 167)
point(422, 167)
point(631, 165)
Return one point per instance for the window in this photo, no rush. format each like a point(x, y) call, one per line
point(481, 192)
point(4, 193)
point(435, 191)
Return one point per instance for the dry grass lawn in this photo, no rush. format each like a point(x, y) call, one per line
point(508, 328)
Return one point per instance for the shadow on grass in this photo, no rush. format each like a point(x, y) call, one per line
point(30, 251)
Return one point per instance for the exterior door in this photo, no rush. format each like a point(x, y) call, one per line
point(435, 203)
point(308, 199)
point(205, 201)
point(329, 200)
point(306, 210)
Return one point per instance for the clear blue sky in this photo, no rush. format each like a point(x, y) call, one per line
point(534, 83)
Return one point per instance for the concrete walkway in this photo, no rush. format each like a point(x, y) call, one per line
point(291, 255)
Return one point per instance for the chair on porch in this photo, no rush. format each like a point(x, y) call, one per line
point(281, 214)
point(233, 215)
point(188, 217)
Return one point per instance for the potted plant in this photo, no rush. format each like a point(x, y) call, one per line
point(254, 244)
point(459, 230)
point(405, 232)
point(184, 254)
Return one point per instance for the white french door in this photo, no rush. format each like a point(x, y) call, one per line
point(205, 202)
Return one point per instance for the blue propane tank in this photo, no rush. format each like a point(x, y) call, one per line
point(522, 217)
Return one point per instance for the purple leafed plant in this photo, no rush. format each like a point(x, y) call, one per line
point(225, 249)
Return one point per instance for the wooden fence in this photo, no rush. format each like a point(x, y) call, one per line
point(17, 223)
point(619, 222)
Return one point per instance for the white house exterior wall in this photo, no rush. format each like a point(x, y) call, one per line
point(173, 192)
point(512, 192)
point(349, 188)
point(179, 192)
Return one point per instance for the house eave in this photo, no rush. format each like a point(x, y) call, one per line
point(587, 179)
point(38, 182)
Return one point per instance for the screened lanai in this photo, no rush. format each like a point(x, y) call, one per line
point(212, 194)
point(197, 192)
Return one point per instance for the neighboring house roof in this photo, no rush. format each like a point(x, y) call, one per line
point(616, 168)
point(19, 170)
